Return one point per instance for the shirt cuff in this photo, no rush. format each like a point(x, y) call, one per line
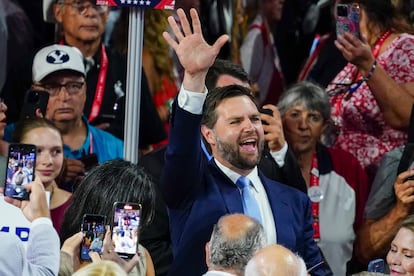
point(42, 220)
point(192, 101)
point(279, 156)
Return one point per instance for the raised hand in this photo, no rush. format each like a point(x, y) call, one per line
point(36, 206)
point(404, 191)
point(195, 54)
point(355, 50)
point(273, 129)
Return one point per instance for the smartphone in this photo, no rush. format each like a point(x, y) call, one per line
point(265, 111)
point(347, 19)
point(376, 265)
point(93, 228)
point(125, 228)
point(21, 162)
point(34, 99)
point(89, 161)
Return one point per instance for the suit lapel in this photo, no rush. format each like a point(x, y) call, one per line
point(282, 211)
point(228, 190)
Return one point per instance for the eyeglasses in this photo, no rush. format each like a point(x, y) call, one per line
point(82, 6)
point(72, 87)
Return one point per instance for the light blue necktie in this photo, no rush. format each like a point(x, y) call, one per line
point(250, 205)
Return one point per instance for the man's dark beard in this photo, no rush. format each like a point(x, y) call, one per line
point(231, 153)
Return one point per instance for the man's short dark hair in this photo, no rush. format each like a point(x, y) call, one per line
point(216, 96)
point(224, 67)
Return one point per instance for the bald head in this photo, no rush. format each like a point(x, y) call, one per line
point(234, 240)
point(235, 226)
point(275, 260)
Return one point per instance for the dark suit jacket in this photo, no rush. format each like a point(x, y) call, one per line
point(197, 194)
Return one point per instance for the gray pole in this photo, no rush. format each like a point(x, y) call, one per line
point(133, 87)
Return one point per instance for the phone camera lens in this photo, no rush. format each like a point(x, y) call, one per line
point(33, 97)
point(342, 11)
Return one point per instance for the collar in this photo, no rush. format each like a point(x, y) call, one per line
point(253, 175)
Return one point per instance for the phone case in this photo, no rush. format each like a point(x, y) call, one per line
point(93, 228)
point(348, 16)
point(34, 99)
point(376, 265)
point(125, 228)
point(20, 171)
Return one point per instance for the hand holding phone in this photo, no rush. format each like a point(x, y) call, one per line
point(20, 171)
point(347, 19)
point(93, 228)
point(35, 103)
point(125, 228)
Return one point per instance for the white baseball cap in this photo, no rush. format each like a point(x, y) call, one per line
point(56, 58)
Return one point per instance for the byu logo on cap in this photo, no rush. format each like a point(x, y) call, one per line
point(57, 57)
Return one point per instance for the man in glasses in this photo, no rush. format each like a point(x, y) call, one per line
point(59, 70)
point(83, 23)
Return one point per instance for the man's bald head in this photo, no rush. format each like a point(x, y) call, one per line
point(275, 260)
point(234, 240)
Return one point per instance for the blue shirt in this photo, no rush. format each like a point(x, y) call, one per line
point(105, 145)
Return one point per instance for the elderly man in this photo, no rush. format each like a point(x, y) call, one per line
point(275, 260)
point(234, 240)
point(59, 70)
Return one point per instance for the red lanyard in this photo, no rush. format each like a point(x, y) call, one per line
point(314, 182)
point(375, 52)
point(100, 85)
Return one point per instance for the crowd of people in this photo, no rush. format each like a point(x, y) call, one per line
point(247, 166)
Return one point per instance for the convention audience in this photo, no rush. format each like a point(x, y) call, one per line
point(275, 260)
point(277, 165)
point(42, 254)
point(258, 52)
point(110, 182)
point(399, 257)
point(198, 191)
point(389, 203)
point(106, 70)
point(234, 240)
point(54, 68)
point(371, 97)
point(337, 185)
point(49, 161)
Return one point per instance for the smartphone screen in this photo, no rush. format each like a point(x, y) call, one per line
point(93, 228)
point(125, 226)
point(20, 171)
point(347, 19)
point(34, 99)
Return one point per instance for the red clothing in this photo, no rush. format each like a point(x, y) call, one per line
point(362, 129)
point(57, 213)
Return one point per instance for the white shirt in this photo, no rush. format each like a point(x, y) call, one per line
point(193, 103)
point(260, 195)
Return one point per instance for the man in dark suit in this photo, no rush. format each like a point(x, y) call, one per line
point(155, 237)
point(199, 190)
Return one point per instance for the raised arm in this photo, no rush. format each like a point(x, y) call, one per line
point(195, 54)
point(394, 99)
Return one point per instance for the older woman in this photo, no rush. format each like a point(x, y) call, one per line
point(337, 184)
point(372, 96)
point(400, 256)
